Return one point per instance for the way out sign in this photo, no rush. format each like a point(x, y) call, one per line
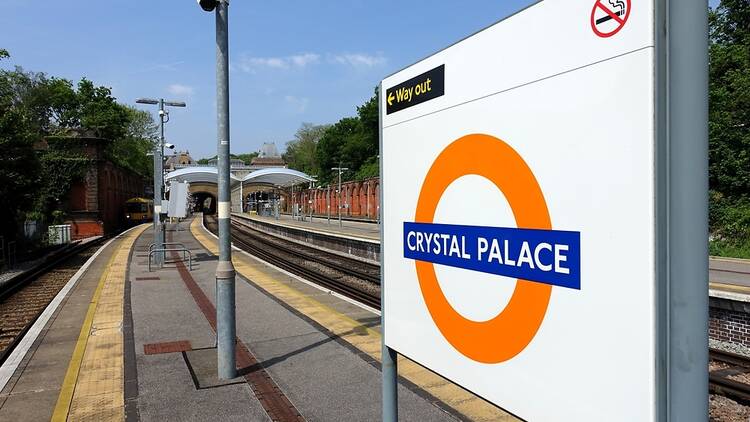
point(525, 209)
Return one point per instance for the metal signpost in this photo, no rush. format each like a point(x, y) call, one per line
point(338, 202)
point(581, 130)
point(225, 273)
point(159, 210)
point(178, 197)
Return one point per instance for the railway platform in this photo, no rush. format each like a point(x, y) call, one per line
point(348, 228)
point(126, 343)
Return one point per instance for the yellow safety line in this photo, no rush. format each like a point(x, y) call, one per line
point(361, 337)
point(71, 376)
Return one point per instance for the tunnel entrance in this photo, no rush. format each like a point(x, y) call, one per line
point(204, 202)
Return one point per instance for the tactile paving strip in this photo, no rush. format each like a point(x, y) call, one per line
point(97, 374)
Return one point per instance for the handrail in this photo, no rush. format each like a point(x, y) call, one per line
point(151, 245)
point(183, 250)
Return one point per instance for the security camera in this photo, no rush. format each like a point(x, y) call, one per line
point(162, 112)
point(208, 5)
point(168, 145)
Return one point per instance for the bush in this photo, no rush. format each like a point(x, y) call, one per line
point(729, 225)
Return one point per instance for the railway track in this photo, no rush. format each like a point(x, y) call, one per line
point(353, 278)
point(24, 297)
point(726, 379)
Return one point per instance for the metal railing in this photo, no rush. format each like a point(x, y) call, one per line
point(183, 250)
point(151, 247)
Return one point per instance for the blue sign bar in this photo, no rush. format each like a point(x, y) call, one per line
point(544, 256)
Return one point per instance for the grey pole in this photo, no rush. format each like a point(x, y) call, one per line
point(159, 174)
point(225, 274)
point(389, 358)
point(338, 202)
point(686, 129)
point(158, 183)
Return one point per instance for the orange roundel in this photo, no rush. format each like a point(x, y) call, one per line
point(504, 336)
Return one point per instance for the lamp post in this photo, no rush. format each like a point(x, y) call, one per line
point(159, 173)
point(225, 274)
point(340, 170)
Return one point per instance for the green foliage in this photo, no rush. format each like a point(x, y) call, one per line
point(247, 158)
point(130, 151)
point(34, 107)
point(353, 143)
point(18, 178)
point(4, 54)
point(729, 88)
point(729, 128)
point(301, 152)
point(371, 168)
point(61, 165)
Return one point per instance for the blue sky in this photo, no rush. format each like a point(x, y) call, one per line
point(291, 61)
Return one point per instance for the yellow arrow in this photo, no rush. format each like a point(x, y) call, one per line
point(390, 98)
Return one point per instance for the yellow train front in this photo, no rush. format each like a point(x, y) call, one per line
point(138, 210)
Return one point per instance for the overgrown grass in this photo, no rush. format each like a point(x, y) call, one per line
point(729, 225)
point(729, 249)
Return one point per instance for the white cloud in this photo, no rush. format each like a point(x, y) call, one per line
point(178, 89)
point(299, 104)
point(250, 64)
point(359, 59)
point(303, 60)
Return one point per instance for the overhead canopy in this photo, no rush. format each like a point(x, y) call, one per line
point(198, 174)
point(276, 176)
point(273, 177)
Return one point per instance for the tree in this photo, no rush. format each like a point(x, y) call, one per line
point(33, 108)
point(353, 142)
point(19, 165)
point(729, 98)
point(132, 149)
point(247, 158)
point(301, 152)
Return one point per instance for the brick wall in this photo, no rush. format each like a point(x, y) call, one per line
point(95, 203)
point(729, 325)
point(360, 198)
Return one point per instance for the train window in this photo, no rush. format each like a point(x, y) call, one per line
point(137, 207)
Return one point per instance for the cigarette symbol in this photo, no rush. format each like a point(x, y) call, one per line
point(616, 4)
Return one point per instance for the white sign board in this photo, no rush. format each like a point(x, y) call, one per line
point(178, 196)
point(519, 212)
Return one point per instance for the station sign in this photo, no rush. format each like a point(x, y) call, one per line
point(416, 90)
point(519, 222)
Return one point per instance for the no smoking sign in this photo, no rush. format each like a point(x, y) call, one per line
point(609, 16)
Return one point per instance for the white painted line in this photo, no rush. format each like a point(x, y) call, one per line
point(300, 279)
point(16, 357)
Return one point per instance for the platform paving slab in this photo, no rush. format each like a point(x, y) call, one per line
point(164, 311)
point(33, 391)
point(324, 379)
point(355, 329)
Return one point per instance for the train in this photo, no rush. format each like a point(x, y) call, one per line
point(139, 210)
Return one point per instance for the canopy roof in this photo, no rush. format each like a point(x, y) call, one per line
point(198, 174)
point(275, 176)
